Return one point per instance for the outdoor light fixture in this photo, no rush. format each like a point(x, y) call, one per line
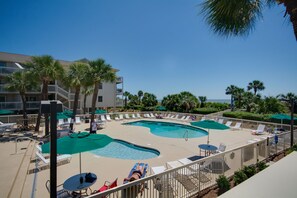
point(52, 107)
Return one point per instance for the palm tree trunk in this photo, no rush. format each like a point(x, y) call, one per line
point(25, 117)
point(85, 103)
point(75, 105)
point(44, 96)
point(291, 9)
point(94, 100)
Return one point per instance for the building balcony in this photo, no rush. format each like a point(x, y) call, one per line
point(119, 91)
point(17, 105)
point(119, 80)
point(8, 70)
point(4, 90)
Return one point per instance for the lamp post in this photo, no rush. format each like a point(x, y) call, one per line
point(52, 107)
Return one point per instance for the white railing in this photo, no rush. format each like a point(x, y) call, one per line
point(188, 180)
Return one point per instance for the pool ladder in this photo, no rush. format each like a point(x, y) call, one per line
point(186, 135)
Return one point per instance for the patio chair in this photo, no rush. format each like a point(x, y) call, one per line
point(221, 149)
point(61, 192)
point(127, 116)
point(77, 120)
point(152, 115)
point(187, 118)
point(59, 157)
point(182, 118)
point(60, 122)
point(228, 123)
point(259, 130)
point(133, 116)
point(221, 121)
point(203, 118)
point(107, 185)
point(116, 118)
point(108, 118)
point(102, 117)
point(138, 115)
point(121, 117)
point(237, 126)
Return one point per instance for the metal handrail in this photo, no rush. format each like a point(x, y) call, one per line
point(19, 138)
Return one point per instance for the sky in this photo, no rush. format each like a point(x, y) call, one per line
point(161, 47)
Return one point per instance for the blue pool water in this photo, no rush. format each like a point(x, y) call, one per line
point(170, 130)
point(124, 150)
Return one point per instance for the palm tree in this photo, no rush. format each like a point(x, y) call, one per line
point(290, 100)
point(238, 17)
point(248, 101)
point(101, 72)
point(149, 100)
point(45, 69)
point(256, 85)
point(126, 95)
point(140, 94)
point(231, 90)
point(238, 94)
point(202, 99)
point(87, 90)
point(75, 78)
point(21, 81)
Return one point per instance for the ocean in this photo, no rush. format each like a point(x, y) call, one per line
point(219, 100)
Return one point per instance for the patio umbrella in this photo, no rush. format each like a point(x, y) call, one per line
point(61, 116)
point(209, 124)
point(78, 143)
point(281, 117)
point(161, 108)
point(68, 113)
point(100, 111)
point(5, 112)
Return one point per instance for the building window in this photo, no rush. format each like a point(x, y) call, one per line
point(100, 86)
point(100, 98)
point(2, 64)
point(2, 98)
point(31, 98)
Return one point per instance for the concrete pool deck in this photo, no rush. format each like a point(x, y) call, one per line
point(105, 168)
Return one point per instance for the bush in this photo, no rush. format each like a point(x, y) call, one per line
point(223, 184)
point(205, 110)
point(249, 171)
point(261, 166)
point(239, 176)
point(217, 105)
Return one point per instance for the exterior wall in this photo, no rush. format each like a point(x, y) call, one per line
point(108, 92)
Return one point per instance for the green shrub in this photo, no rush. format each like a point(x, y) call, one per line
point(217, 105)
point(261, 166)
point(249, 171)
point(223, 184)
point(239, 176)
point(205, 110)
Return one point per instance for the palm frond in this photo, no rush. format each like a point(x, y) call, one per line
point(232, 17)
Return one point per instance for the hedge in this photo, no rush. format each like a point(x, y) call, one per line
point(205, 110)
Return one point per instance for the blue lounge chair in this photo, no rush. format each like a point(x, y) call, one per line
point(135, 168)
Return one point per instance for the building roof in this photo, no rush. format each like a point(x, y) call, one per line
point(20, 58)
point(278, 180)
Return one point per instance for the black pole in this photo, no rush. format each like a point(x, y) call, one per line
point(292, 122)
point(53, 150)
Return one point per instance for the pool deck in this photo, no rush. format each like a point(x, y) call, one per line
point(14, 182)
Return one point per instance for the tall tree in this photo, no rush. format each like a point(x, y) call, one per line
point(140, 94)
point(202, 99)
point(75, 78)
point(46, 69)
point(87, 90)
point(248, 101)
point(256, 85)
point(149, 100)
point(231, 90)
point(101, 72)
point(21, 81)
point(238, 17)
point(238, 94)
point(126, 95)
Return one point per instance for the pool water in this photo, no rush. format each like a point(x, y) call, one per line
point(125, 150)
point(170, 130)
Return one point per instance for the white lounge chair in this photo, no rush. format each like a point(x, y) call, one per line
point(237, 126)
point(228, 123)
point(102, 117)
point(108, 118)
point(138, 115)
point(152, 115)
point(259, 130)
point(116, 118)
point(176, 116)
point(77, 120)
point(157, 169)
point(187, 118)
point(59, 157)
point(60, 122)
point(6, 126)
point(127, 116)
point(203, 118)
point(133, 116)
point(182, 118)
point(69, 120)
point(121, 117)
point(221, 121)
point(222, 148)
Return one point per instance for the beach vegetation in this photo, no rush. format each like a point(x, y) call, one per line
point(22, 82)
point(239, 177)
point(223, 184)
point(238, 17)
point(100, 72)
point(45, 69)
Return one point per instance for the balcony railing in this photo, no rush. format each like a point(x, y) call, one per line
point(8, 70)
point(119, 80)
point(119, 91)
point(19, 105)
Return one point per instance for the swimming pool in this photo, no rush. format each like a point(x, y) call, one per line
point(124, 150)
point(170, 130)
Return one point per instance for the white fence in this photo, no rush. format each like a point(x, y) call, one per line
point(188, 180)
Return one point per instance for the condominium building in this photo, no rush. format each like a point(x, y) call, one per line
point(110, 94)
